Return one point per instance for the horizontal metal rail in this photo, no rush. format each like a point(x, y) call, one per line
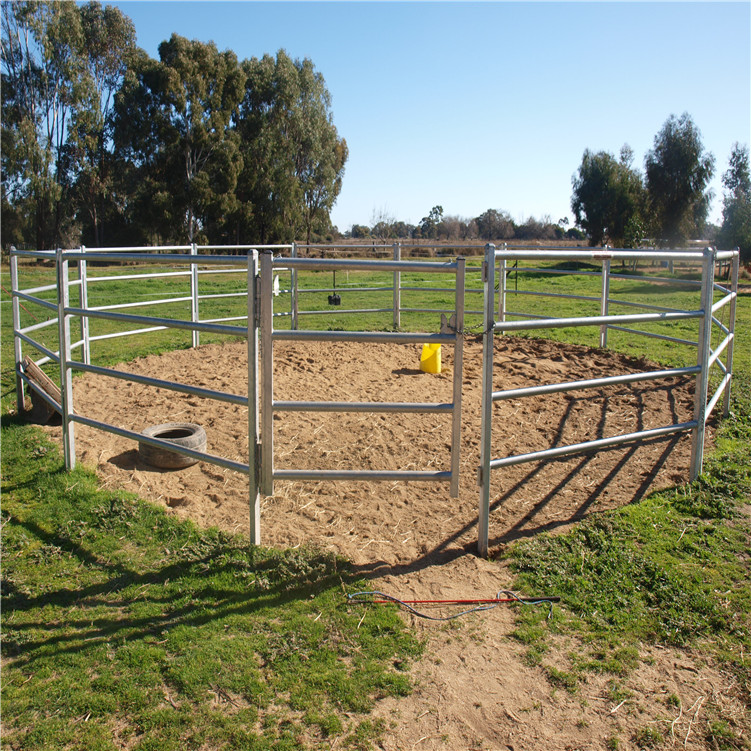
point(43, 288)
point(643, 305)
point(714, 355)
point(343, 287)
point(160, 444)
point(439, 289)
point(720, 391)
point(55, 356)
point(230, 318)
point(664, 337)
point(439, 310)
point(593, 383)
point(132, 332)
point(658, 279)
point(338, 311)
point(354, 475)
point(529, 293)
point(536, 270)
point(223, 271)
point(219, 295)
point(723, 302)
point(622, 277)
point(38, 301)
point(586, 446)
point(130, 277)
point(527, 315)
point(601, 255)
point(50, 254)
point(725, 255)
point(285, 246)
point(211, 328)
point(145, 250)
point(595, 320)
point(358, 264)
point(354, 246)
point(379, 337)
point(182, 388)
point(171, 260)
point(40, 325)
point(414, 407)
point(139, 304)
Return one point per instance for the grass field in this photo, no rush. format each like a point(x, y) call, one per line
point(122, 627)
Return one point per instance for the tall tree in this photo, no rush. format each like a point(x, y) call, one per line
point(173, 127)
point(608, 196)
point(109, 46)
point(495, 225)
point(736, 209)
point(678, 171)
point(293, 156)
point(44, 81)
point(428, 227)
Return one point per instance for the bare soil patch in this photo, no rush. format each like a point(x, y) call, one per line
point(474, 691)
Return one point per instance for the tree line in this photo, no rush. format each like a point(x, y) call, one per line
point(491, 225)
point(103, 145)
point(614, 203)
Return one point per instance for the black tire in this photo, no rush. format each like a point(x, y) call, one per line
point(183, 434)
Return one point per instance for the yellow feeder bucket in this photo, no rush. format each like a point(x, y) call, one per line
point(430, 359)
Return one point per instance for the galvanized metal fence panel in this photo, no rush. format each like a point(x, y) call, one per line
point(706, 356)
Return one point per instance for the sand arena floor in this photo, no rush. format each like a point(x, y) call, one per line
point(388, 525)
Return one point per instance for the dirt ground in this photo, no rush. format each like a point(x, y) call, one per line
point(414, 541)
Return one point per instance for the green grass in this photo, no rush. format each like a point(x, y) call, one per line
point(123, 625)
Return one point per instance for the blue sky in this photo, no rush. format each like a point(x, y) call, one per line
point(491, 104)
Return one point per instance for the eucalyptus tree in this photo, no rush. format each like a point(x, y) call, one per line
point(43, 82)
point(495, 225)
point(678, 171)
point(293, 156)
point(109, 47)
point(736, 208)
point(608, 196)
point(174, 131)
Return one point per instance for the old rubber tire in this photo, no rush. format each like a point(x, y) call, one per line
point(183, 434)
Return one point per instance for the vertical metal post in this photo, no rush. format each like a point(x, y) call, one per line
point(501, 289)
point(483, 516)
point(83, 278)
point(702, 378)
point(253, 432)
point(734, 273)
point(456, 417)
point(397, 288)
point(194, 294)
point(66, 375)
point(604, 300)
point(267, 364)
point(17, 344)
point(293, 301)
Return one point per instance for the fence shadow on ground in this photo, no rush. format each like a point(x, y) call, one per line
point(453, 547)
